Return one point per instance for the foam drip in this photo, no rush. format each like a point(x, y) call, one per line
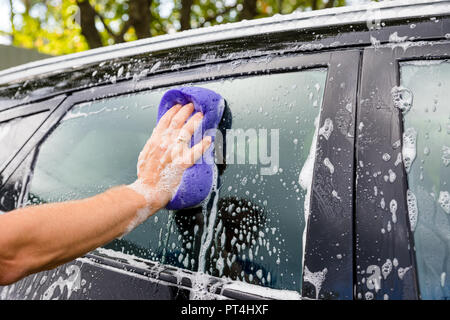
point(141, 215)
point(409, 147)
point(393, 209)
point(200, 282)
point(315, 278)
point(412, 209)
point(208, 224)
point(305, 180)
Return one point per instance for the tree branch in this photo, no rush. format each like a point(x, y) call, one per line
point(125, 28)
point(87, 22)
point(139, 12)
point(210, 19)
point(329, 4)
point(280, 6)
point(118, 38)
point(185, 19)
point(249, 10)
point(11, 16)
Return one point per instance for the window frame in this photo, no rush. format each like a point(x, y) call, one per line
point(377, 107)
point(19, 111)
point(342, 67)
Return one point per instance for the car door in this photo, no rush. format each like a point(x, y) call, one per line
point(281, 220)
point(402, 215)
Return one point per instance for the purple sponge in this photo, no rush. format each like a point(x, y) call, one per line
point(197, 180)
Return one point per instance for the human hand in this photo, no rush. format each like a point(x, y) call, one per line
point(167, 154)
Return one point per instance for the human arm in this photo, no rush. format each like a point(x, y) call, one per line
point(42, 237)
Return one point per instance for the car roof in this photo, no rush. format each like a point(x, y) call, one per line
point(278, 23)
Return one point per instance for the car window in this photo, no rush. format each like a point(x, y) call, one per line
point(15, 132)
point(423, 98)
point(13, 192)
point(251, 229)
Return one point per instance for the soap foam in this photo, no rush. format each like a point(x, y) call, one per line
point(412, 209)
point(315, 278)
point(393, 209)
point(141, 188)
point(409, 147)
point(166, 183)
point(209, 223)
point(171, 179)
point(401, 272)
point(386, 268)
point(444, 201)
point(326, 129)
point(403, 98)
point(329, 165)
point(141, 215)
point(445, 155)
point(305, 180)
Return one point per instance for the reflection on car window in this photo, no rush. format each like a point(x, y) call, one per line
point(15, 132)
point(251, 229)
point(13, 191)
point(426, 154)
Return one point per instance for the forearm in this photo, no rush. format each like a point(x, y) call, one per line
point(37, 238)
point(42, 237)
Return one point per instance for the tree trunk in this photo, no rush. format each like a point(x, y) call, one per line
point(249, 10)
point(280, 6)
point(27, 5)
point(11, 16)
point(139, 12)
point(87, 22)
point(329, 4)
point(185, 19)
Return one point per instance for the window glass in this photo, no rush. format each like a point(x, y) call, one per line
point(13, 191)
point(426, 154)
point(251, 229)
point(15, 132)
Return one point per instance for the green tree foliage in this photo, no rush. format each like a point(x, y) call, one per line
point(66, 26)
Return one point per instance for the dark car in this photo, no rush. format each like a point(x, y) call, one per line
point(335, 183)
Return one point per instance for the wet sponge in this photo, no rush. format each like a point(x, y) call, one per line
point(197, 181)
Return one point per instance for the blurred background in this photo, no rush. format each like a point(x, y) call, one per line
point(34, 29)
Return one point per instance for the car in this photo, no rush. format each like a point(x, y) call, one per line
point(334, 184)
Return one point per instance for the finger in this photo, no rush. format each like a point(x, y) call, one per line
point(181, 116)
point(189, 128)
point(198, 150)
point(160, 132)
point(165, 120)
